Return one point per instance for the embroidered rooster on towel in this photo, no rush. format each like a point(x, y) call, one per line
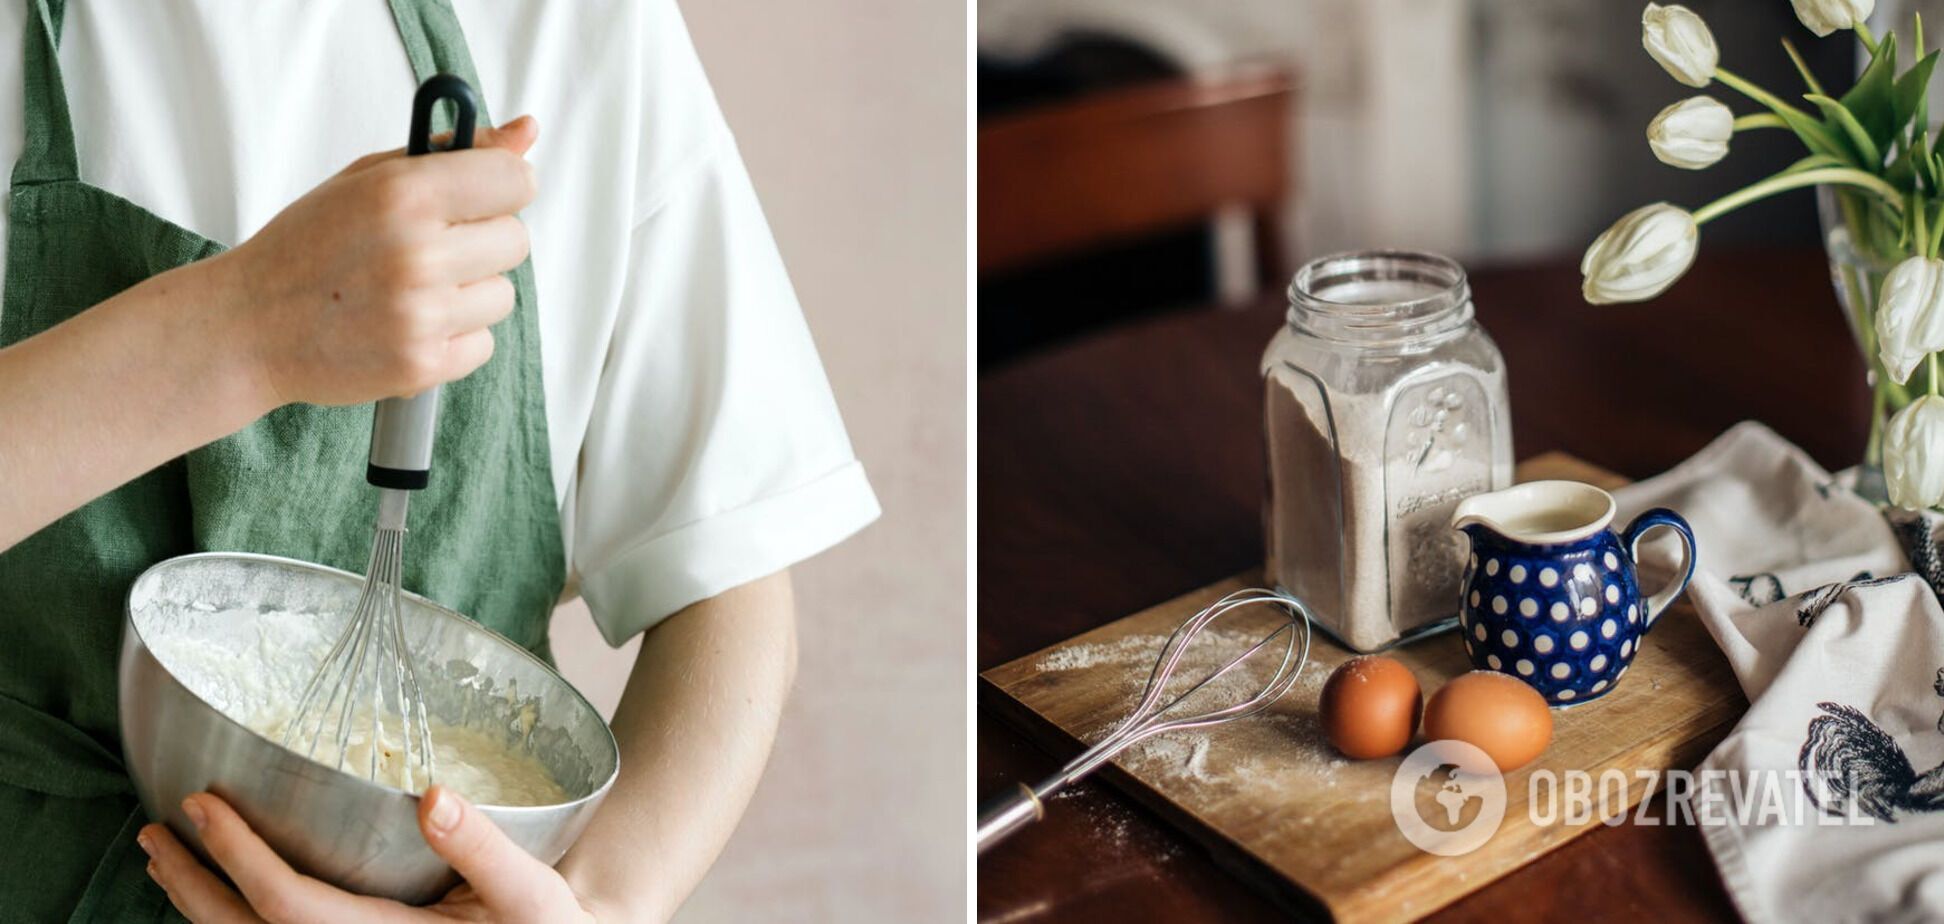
point(1849, 764)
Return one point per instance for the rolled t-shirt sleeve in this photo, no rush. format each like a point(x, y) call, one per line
point(715, 453)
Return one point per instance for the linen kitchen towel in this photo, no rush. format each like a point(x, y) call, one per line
point(1826, 802)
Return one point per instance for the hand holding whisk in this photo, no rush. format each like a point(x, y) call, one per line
point(367, 681)
point(1006, 813)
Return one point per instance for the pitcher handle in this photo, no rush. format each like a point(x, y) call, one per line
point(1661, 516)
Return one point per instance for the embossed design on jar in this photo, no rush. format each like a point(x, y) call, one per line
point(1444, 432)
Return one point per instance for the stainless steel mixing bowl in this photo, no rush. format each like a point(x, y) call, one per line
point(196, 621)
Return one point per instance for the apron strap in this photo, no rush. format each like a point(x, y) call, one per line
point(45, 754)
point(435, 44)
point(48, 154)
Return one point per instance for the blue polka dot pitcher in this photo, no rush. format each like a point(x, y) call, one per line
point(1550, 592)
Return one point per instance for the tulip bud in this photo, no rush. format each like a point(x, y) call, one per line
point(1692, 133)
point(1642, 254)
point(1826, 16)
point(1910, 315)
point(1913, 454)
point(1681, 42)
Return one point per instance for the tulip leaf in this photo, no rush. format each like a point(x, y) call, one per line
point(1908, 98)
point(1816, 136)
point(1871, 102)
point(1815, 162)
point(1859, 137)
point(1903, 170)
point(1922, 124)
point(1802, 67)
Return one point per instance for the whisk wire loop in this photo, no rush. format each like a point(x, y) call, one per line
point(368, 657)
point(1147, 718)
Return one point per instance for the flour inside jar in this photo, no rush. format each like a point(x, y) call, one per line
point(1384, 405)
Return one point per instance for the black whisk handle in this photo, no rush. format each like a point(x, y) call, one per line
point(465, 104)
point(402, 428)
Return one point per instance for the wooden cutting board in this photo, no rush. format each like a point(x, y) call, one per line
point(1272, 802)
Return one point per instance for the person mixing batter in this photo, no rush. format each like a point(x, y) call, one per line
point(637, 415)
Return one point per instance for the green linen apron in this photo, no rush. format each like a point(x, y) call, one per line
point(485, 535)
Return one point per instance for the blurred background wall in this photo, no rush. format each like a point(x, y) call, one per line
point(851, 117)
point(1490, 130)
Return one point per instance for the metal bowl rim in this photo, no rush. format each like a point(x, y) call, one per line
point(128, 609)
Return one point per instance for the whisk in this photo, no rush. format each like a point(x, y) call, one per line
point(368, 676)
point(368, 680)
point(1007, 812)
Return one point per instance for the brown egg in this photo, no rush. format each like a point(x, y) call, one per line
point(1496, 713)
point(1370, 707)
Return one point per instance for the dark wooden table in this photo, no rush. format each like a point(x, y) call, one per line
point(1127, 469)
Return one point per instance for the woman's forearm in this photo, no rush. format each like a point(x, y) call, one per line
point(695, 727)
point(133, 382)
point(382, 281)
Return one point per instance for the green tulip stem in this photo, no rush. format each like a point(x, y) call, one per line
point(1759, 120)
point(1839, 176)
point(1923, 227)
point(1741, 85)
point(1873, 450)
point(1813, 128)
point(1930, 365)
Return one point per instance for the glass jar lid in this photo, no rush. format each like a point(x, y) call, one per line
point(1380, 297)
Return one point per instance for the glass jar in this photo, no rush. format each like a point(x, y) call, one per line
point(1385, 404)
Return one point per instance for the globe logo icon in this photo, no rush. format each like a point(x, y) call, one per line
point(1447, 798)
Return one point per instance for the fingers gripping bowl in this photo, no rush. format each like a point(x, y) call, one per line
point(212, 637)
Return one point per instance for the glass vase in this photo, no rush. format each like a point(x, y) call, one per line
point(1860, 238)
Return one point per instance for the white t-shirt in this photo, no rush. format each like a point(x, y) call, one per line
point(695, 443)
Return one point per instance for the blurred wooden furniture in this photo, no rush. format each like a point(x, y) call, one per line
point(1126, 162)
point(1126, 469)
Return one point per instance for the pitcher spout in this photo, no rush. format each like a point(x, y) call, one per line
point(1537, 512)
point(1470, 514)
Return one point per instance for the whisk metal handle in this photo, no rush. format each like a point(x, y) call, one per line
point(1004, 813)
point(402, 428)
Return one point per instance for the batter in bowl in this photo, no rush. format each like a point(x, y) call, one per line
point(474, 764)
point(252, 666)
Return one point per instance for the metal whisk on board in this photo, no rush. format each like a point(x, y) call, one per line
point(367, 682)
point(1007, 812)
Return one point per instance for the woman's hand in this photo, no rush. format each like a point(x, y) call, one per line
point(379, 283)
point(503, 883)
point(382, 281)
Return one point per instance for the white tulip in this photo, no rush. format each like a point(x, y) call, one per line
point(1910, 315)
point(1681, 42)
point(1692, 133)
point(1642, 254)
point(1826, 16)
point(1913, 454)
